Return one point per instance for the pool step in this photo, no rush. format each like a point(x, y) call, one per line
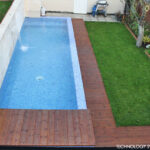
point(46, 128)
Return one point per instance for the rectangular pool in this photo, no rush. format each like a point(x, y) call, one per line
point(44, 71)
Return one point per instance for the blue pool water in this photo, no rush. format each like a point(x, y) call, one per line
point(40, 73)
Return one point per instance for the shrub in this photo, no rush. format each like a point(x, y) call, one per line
point(146, 39)
point(131, 20)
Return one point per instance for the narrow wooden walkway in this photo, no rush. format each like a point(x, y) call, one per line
point(46, 128)
point(105, 130)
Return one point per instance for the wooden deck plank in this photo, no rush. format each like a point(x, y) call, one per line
point(5, 131)
point(71, 137)
point(18, 127)
point(31, 126)
point(25, 128)
point(65, 127)
point(57, 134)
point(84, 136)
point(11, 126)
point(51, 126)
point(76, 124)
point(90, 129)
point(45, 128)
point(37, 129)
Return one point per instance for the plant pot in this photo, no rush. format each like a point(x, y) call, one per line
point(144, 44)
point(119, 18)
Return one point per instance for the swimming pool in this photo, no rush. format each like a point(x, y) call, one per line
point(44, 71)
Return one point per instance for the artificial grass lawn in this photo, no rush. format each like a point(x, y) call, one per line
point(125, 70)
point(4, 6)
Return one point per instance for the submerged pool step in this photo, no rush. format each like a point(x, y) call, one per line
point(46, 128)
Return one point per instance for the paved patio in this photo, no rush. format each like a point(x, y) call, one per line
point(86, 17)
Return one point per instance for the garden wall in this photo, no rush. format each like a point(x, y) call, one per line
point(32, 7)
point(59, 5)
point(9, 31)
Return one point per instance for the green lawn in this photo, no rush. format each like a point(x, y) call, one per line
point(125, 70)
point(4, 6)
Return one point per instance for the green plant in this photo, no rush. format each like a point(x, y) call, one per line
point(134, 27)
point(146, 39)
point(133, 23)
point(147, 29)
point(137, 11)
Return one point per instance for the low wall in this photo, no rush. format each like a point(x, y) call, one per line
point(32, 8)
point(9, 31)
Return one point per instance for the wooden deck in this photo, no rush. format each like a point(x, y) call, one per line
point(105, 130)
point(46, 128)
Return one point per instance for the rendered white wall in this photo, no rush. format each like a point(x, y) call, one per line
point(9, 31)
point(59, 5)
point(32, 7)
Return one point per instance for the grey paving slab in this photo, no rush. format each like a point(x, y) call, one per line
point(86, 17)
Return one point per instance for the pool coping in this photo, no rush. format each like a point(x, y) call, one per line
point(81, 100)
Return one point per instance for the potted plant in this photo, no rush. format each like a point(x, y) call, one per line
point(146, 41)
